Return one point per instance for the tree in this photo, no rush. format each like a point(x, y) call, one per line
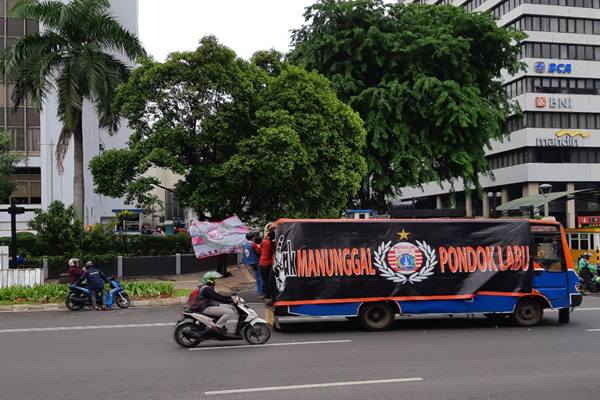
point(8, 162)
point(425, 79)
point(260, 140)
point(152, 204)
point(59, 232)
point(77, 53)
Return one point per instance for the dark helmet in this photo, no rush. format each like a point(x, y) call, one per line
point(89, 264)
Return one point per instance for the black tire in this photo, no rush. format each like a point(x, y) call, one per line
point(593, 287)
point(122, 300)
point(564, 316)
point(376, 316)
point(183, 340)
point(73, 305)
point(528, 312)
point(258, 333)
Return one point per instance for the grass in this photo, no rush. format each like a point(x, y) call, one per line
point(56, 293)
point(182, 292)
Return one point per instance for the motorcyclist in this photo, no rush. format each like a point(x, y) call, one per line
point(95, 279)
point(585, 269)
point(211, 303)
point(75, 270)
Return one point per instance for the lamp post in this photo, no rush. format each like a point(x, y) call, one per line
point(545, 190)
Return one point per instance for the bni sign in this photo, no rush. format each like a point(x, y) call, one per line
point(553, 102)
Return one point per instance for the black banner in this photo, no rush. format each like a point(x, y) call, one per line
point(343, 259)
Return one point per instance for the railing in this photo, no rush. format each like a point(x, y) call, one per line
point(21, 277)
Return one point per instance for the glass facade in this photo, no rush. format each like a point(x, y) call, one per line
point(24, 122)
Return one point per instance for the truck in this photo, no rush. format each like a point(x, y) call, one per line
point(372, 270)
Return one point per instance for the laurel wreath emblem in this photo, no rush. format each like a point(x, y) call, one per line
point(385, 271)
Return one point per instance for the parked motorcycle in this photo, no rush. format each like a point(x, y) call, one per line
point(79, 296)
point(194, 328)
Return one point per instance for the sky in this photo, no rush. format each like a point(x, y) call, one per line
point(243, 25)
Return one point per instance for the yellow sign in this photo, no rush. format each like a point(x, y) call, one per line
point(572, 133)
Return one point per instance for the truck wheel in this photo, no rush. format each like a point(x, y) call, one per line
point(376, 316)
point(564, 315)
point(528, 312)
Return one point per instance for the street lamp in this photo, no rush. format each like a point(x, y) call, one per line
point(545, 190)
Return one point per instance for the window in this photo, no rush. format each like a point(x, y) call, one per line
point(29, 188)
point(549, 252)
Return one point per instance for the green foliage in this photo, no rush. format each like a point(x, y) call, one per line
point(149, 289)
point(424, 78)
point(260, 139)
point(58, 230)
point(51, 292)
point(8, 161)
point(46, 293)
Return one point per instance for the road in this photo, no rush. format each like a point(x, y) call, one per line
point(129, 354)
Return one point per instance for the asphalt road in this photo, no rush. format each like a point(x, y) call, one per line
point(130, 355)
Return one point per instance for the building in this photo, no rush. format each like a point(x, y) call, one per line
point(35, 136)
point(557, 141)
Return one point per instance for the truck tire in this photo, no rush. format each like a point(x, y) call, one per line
point(564, 315)
point(376, 316)
point(528, 312)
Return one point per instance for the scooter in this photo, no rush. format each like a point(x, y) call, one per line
point(194, 328)
point(79, 296)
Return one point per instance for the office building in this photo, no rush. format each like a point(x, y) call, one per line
point(557, 140)
point(35, 135)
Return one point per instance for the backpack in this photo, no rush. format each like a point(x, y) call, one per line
point(195, 300)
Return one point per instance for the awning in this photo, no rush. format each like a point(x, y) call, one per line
point(537, 200)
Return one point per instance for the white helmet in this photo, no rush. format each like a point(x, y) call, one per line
point(73, 261)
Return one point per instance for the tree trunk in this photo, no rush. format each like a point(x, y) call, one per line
point(78, 183)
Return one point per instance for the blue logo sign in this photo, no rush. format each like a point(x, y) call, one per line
point(553, 68)
point(540, 67)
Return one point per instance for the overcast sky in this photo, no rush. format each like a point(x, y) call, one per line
point(243, 25)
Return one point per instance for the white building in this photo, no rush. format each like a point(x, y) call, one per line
point(36, 134)
point(558, 139)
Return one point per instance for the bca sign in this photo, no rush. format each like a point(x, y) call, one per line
point(552, 68)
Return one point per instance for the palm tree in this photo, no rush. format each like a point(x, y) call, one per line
point(152, 204)
point(76, 53)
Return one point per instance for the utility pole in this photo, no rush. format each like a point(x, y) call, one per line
point(13, 210)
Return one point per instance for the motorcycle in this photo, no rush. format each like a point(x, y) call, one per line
point(79, 296)
point(194, 328)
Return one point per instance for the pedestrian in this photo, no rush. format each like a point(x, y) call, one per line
point(95, 283)
point(75, 270)
point(251, 257)
point(265, 264)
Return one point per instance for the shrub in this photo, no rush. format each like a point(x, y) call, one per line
point(148, 289)
point(49, 292)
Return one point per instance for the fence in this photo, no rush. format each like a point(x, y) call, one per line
point(21, 277)
point(177, 264)
point(3, 257)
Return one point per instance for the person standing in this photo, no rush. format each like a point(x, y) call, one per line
point(251, 257)
point(265, 264)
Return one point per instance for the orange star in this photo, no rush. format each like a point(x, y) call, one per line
point(403, 234)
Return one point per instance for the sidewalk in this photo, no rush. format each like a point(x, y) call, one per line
point(240, 281)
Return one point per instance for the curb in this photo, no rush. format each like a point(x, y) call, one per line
point(61, 307)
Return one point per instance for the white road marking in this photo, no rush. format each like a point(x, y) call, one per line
point(85, 327)
point(271, 344)
point(310, 386)
point(592, 330)
point(587, 309)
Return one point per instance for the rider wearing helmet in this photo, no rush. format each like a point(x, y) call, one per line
point(75, 270)
point(213, 304)
point(95, 279)
point(584, 269)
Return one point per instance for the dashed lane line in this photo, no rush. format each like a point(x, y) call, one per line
point(312, 386)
